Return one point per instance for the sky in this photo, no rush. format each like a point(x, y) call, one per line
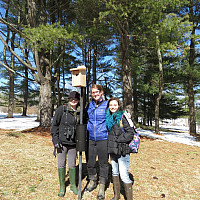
point(180, 128)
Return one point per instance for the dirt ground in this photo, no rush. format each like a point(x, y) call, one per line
point(161, 170)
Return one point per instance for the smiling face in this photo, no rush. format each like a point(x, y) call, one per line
point(96, 94)
point(113, 106)
point(73, 102)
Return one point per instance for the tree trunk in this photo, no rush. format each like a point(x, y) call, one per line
point(160, 85)
point(95, 64)
point(11, 95)
point(126, 71)
point(44, 74)
point(11, 74)
point(42, 66)
point(25, 89)
point(191, 103)
point(192, 119)
point(45, 104)
point(88, 76)
point(144, 109)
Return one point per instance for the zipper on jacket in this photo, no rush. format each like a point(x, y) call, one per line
point(95, 125)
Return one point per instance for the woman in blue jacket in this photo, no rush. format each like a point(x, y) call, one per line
point(98, 134)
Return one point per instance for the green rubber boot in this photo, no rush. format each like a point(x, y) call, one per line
point(61, 174)
point(72, 179)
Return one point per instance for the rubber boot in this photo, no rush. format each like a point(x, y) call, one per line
point(92, 183)
point(128, 191)
point(101, 193)
point(61, 174)
point(72, 179)
point(116, 188)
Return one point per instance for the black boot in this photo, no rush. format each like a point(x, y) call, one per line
point(101, 193)
point(116, 188)
point(61, 174)
point(128, 191)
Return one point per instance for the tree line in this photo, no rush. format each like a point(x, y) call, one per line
point(146, 52)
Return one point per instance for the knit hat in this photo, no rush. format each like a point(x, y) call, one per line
point(74, 94)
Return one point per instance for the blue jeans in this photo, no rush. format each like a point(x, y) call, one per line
point(120, 166)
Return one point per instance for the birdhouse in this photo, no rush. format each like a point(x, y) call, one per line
point(79, 76)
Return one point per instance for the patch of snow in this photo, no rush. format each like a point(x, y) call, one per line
point(180, 137)
point(19, 123)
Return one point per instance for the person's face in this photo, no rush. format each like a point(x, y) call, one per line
point(73, 102)
point(113, 106)
point(96, 94)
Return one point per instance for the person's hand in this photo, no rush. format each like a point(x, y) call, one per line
point(128, 115)
point(58, 145)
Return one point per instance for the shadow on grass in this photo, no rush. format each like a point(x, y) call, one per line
point(85, 175)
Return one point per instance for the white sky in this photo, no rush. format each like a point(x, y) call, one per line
point(181, 136)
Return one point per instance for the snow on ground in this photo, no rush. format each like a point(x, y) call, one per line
point(19, 123)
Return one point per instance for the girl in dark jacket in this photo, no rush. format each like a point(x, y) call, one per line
point(118, 147)
point(63, 133)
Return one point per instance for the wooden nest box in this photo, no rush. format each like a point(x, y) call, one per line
point(79, 76)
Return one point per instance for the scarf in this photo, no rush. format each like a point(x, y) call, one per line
point(113, 118)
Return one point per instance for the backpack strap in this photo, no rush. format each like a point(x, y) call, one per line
point(121, 124)
point(65, 109)
point(122, 127)
point(96, 106)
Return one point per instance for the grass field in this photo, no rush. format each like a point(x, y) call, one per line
point(161, 170)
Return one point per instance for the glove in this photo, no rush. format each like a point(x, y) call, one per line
point(58, 145)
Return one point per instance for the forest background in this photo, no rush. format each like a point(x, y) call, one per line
point(145, 52)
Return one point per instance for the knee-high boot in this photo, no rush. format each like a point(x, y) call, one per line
point(116, 188)
point(61, 174)
point(128, 191)
point(72, 179)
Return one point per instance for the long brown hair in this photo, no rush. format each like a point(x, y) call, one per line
point(118, 101)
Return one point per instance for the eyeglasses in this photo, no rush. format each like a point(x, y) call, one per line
point(73, 99)
point(96, 92)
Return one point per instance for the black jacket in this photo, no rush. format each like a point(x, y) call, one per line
point(63, 129)
point(118, 141)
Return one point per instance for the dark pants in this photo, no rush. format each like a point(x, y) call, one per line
point(98, 148)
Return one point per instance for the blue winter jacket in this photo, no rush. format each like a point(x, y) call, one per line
point(97, 120)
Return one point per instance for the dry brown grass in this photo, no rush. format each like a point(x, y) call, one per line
point(161, 170)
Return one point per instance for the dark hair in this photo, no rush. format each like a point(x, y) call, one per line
point(118, 101)
point(74, 94)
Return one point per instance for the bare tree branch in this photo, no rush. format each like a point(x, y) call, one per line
point(11, 70)
point(18, 57)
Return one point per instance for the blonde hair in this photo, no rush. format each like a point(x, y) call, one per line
point(98, 87)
